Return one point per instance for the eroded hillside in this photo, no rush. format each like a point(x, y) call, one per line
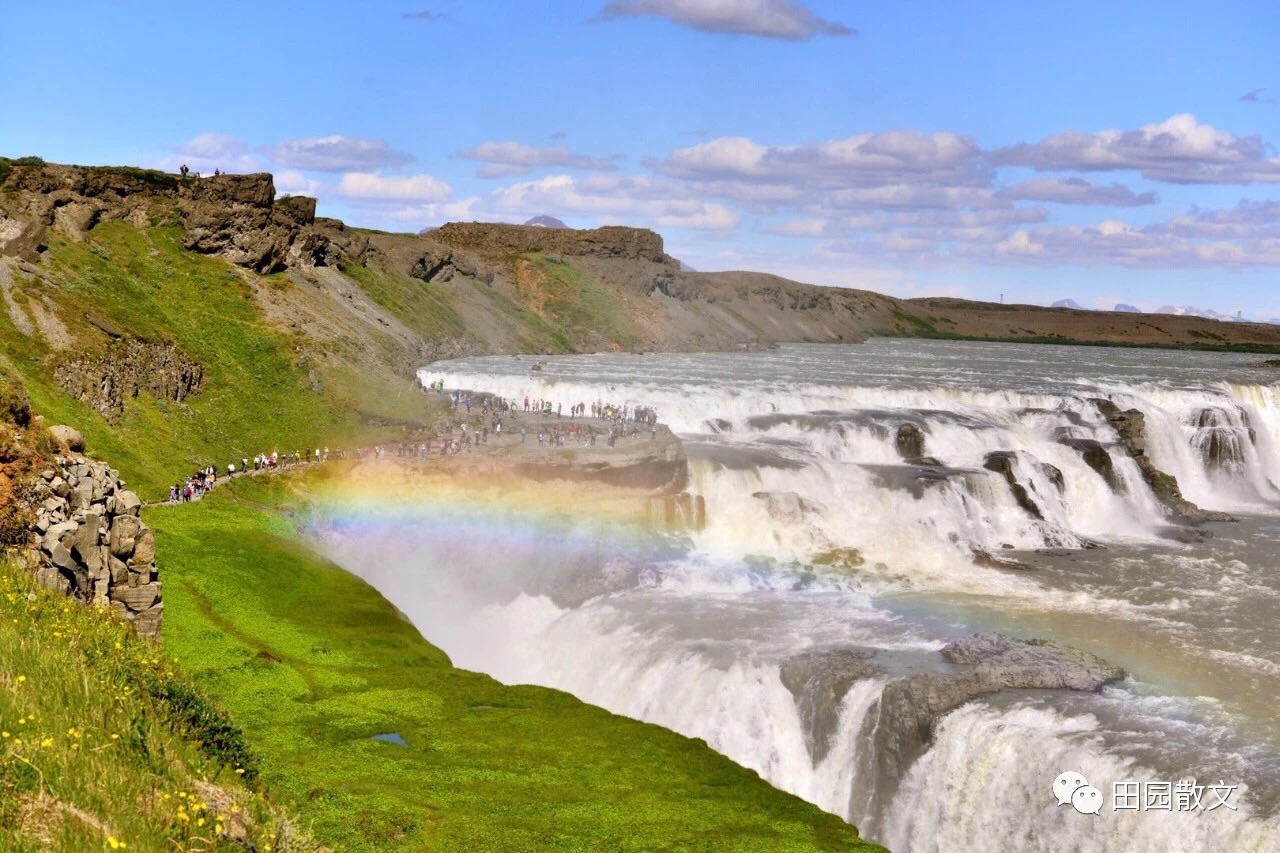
point(152, 307)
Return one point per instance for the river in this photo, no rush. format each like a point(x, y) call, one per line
point(821, 534)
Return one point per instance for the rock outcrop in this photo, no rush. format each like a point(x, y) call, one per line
point(611, 241)
point(129, 366)
point(983, 664)
point(235, 216)
point(1130, 426)
point(819, 680)
point(92, 544)
point(1002, 462)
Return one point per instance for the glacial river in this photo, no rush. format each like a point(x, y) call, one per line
point(795, 453)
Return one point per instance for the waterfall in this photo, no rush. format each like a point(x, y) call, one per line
point(861, 498)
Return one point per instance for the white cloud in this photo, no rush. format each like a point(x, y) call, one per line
point(210, 151)
point(336, 154)
point(415, 188)
point(1077, 191)
point(1178, 150)
point(623, 199)
point(506, 159)
point(296, 183)
point(866, 160)
point(777, 19)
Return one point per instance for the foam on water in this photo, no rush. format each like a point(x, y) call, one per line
point(794, 453)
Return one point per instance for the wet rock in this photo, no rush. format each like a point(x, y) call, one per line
point(840, 558)
point(819, 680)
point(990, 561)
point(1054, 475)
point(984, 664)
point(682, 513)
point(1002, 463)
point(909, 442)
point(1097, 458)
point(1130, 426)
point(787, 507)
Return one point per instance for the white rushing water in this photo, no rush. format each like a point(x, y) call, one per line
point(796, 454)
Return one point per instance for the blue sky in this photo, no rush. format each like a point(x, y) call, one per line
point(1106, 152)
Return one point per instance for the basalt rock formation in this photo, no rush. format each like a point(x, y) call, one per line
point(983, 664)
point(819, 680)
point(91, 543)
point(129, 366)
point(1130, 426)
point(235, 216)
point(1002, 463)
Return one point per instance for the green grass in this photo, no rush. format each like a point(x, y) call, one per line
point(102, 741)
point(313, 662)
point(421, 306)
point(579, 304)
point(256, 395)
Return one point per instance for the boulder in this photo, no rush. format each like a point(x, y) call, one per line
point(986, 663)
point(124, 534)
point(137, 598)
point(818, 680)
point(68, 436)
point(909, 442)
point(1002, 462)
point(144, 549)
point(128, 503)
point(147, 623)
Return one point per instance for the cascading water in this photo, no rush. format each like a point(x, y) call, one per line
point(886, 499)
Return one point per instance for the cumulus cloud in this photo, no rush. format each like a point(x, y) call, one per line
point(625, 200)
point(336, 154)
point(507, 159)
point(1116, 243)
point(1077, 191)
point(775, 19)
point(415, 188)
point(1178, 150)
point(1247, 220)
point(866, 160)
point(295, 183)
point(954, 222)
point(210, 151)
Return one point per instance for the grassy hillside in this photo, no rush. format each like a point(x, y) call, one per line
point(263, 390)
point(104, 745)
point(314, 664)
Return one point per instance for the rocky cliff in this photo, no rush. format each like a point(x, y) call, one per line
point(93, 545)
point(235, 216)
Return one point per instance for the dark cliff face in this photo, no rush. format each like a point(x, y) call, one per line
point(235, 216)
point(614, 241)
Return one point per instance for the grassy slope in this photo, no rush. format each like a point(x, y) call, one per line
point(313, 662)
point(90, 750)
point(256, 395)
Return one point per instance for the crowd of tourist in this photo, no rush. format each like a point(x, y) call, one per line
point(485, 418)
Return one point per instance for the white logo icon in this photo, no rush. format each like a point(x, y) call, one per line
point(1065, 785)
point(1087, 799)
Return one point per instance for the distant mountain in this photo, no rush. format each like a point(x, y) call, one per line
point(544, 221)
point(429, 229)
point(686, 268)
point(1068, 303)
point(1193, 311)
point(1127, 309)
